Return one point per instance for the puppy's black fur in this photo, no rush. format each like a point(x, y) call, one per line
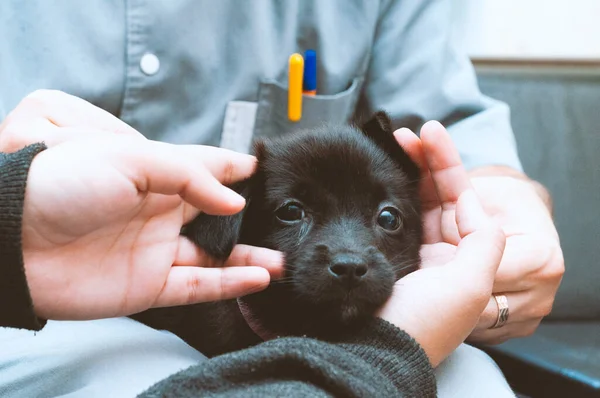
point(342, 204)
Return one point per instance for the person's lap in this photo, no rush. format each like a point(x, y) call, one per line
point(121, 358)
point(105, 358)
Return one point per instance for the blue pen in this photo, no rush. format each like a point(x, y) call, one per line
point(310, 73)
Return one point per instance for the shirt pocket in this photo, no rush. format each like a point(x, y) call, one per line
point(272, 113)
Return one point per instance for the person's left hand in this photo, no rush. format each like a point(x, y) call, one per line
point(532, 265)
point(101, 227)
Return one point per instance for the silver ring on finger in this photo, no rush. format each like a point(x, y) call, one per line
point(503, 310)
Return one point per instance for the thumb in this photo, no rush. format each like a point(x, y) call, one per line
point(482, 242)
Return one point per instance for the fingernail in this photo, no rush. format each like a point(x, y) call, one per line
point(433, 124)
point(404, 130)
point(277, 264)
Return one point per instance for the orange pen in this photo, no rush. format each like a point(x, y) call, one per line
point(295, 76)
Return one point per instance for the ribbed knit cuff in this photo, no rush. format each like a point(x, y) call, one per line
point(16, 307)
point(407, 365)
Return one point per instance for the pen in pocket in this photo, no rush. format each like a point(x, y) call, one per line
point(295, 77)
point(310, 73)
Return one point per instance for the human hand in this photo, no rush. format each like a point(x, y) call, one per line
point(53, 117)
point(440, 304)
point(533, 264)
point(101, 227)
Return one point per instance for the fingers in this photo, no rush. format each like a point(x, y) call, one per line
point(225, 165)
point(65, 110)
point(529, 261)
point(188, 254)
point(54, 117)
point(172, 170)
point(245, 255)
point(191, 285)
point(412, 145)
point(17, 135)
point(523, 306)
point(448, 174)
point(517, 306)
point(504, 333)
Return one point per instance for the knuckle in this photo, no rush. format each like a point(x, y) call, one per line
point(44, 95)
point(11, 137)
point(35, 99)
point(8, 120)
point(222, 286)
point(556, 264)
point(544, 309)
point(539, 308)
point(42, 98)
point(551, 267)
point(35, 103)
point(193, 289)
point(249, 256)
point(228, 172)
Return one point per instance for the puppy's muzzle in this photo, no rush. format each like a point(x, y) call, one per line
point(348, 269)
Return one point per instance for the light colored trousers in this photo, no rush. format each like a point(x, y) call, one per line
point(120, 358)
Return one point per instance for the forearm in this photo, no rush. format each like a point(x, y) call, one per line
point(504, 171)
point(380, 360)
point(16, 309)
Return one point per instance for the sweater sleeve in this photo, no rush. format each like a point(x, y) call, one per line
point(16, 308)
point(378, 361)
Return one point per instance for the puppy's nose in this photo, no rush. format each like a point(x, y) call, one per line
point(348, 268)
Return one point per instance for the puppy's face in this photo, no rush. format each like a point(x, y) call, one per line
point(342, 205)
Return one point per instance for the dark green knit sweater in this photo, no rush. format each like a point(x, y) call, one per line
point(378, 361)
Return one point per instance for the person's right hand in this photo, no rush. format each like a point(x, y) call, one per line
point(53, 117)
point(439, 305)
point(101, 227)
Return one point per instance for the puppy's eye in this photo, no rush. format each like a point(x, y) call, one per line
point(290, 212)
point(389, 219)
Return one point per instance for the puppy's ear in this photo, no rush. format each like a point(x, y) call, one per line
point(217, 235)
point(379, 130)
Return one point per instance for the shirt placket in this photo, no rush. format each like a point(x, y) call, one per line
point(136, 47)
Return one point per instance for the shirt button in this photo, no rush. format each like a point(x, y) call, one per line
point(149, 64)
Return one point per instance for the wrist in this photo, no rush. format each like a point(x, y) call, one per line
point(16, 306)
point(505, 171)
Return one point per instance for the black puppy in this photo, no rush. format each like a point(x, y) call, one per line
point(342, 204)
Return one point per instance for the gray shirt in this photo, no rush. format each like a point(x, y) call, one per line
point(222, 66)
